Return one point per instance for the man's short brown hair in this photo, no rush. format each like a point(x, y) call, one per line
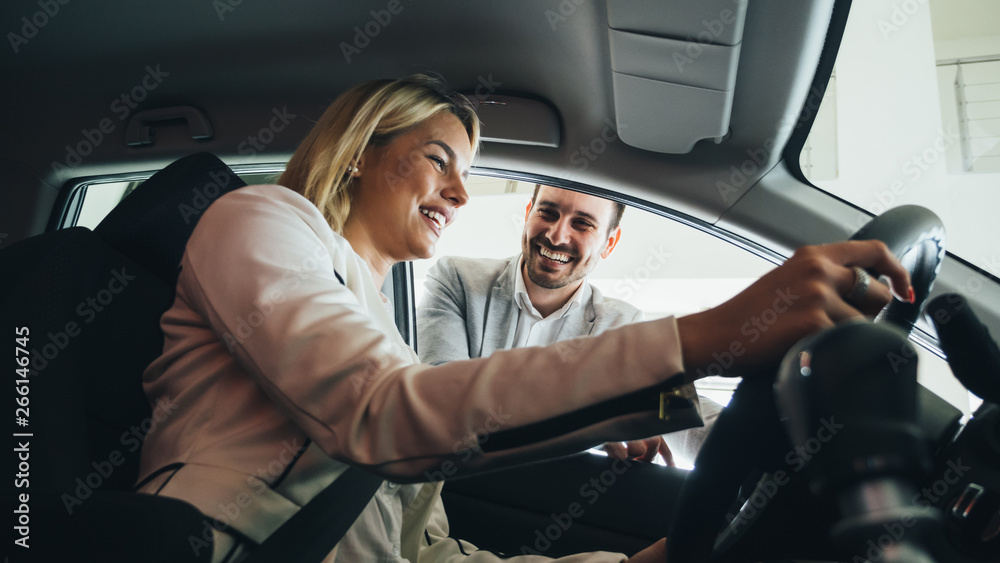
point(616, 212)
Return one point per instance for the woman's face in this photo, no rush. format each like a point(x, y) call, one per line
point(408, 191)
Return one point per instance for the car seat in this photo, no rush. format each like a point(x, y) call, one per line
point(92, 301)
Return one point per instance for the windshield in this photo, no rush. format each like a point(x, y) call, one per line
point(912, 116)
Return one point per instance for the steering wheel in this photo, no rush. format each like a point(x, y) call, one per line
point(748, 434)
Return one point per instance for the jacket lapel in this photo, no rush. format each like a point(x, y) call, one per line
point(501, 312)
point(581, 321)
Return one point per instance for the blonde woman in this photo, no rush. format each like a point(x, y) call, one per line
point(284, 363)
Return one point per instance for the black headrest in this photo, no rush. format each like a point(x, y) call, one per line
point(152, 224)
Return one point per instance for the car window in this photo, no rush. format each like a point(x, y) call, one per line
point(101, 195)
point(926, 133)
point(912, 116)
point(99, 199)
point(661, 266)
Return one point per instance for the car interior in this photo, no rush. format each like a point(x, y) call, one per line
point(734, 130)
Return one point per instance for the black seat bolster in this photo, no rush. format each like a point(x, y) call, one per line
point(136, 527)
point(93, 326)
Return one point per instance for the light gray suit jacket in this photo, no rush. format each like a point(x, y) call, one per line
point(468, 310)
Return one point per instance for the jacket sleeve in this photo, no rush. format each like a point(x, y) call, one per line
point(441, 317)
point(263, 276)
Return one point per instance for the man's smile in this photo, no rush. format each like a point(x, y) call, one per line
point(554, 256)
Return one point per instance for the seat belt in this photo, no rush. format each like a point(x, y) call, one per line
point(311, 534)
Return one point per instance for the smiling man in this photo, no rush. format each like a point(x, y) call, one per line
point(565, 235)
point(474, 307)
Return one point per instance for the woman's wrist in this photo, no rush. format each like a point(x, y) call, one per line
point(693, 335)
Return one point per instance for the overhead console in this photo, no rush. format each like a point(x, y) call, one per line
point(674, 70)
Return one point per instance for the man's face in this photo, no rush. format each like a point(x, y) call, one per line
point(564, 234)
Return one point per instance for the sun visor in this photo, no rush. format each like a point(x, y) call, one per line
point(518, 121)
point(674, 70)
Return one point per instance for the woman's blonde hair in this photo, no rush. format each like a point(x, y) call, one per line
point(372, 113)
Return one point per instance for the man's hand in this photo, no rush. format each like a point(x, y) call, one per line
point(642, 450)
point(656, 553)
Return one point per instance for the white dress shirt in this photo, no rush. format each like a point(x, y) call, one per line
point(532, 328)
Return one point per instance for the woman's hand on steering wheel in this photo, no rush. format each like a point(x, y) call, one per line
point(807, 293)
point(656, 553)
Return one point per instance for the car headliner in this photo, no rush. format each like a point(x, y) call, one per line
point(240, 61)
point(237, 61)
